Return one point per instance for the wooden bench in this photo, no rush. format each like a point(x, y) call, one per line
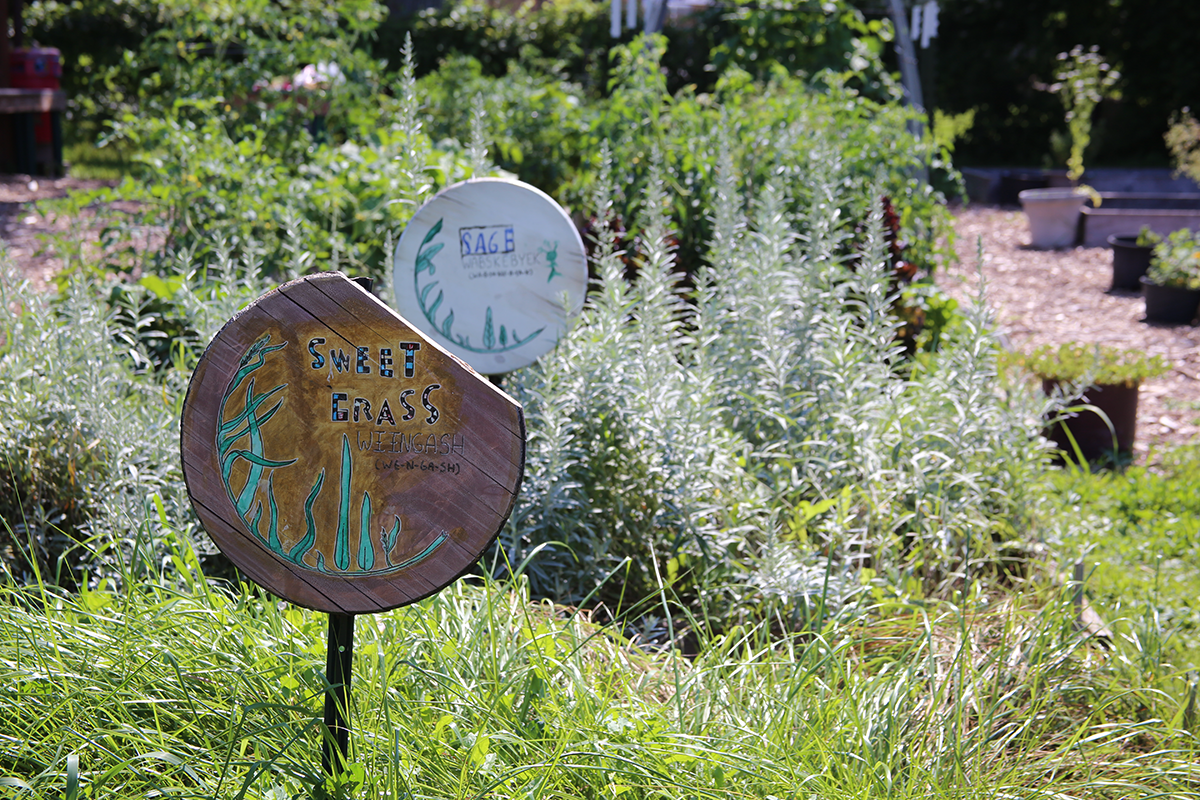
point(24, 105)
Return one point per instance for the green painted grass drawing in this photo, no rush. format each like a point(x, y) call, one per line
point(240, 440)
point(341, 545)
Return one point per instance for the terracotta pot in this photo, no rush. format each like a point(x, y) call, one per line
point(1130, 262)
point(1089, 430)
point(1172, 305)
point(1053, 216)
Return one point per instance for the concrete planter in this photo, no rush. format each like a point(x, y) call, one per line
point(1053, 216)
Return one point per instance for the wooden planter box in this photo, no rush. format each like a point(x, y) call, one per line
point(1126, 213)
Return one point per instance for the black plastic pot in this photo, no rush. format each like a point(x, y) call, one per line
point(1170, 304)
point(1089, 431)
point(1130, 261)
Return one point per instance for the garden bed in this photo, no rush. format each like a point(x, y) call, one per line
point(1053, 296)
point(1041, 297)
point(1126, 213)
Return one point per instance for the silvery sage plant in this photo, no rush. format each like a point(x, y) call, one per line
point(762, 438)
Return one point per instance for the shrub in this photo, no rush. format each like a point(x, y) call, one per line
point(1098, 364)
point(67, 442)
point(1183, 142)
point(89, 458)
point(1083, 79)
point(723, 449)
point(1176, 261)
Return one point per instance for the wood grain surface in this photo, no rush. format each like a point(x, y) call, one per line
point(341, 459)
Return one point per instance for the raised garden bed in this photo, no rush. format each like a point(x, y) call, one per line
point(1126, 213)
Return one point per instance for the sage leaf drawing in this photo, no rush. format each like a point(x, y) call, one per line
point(434, 231)
point(425, 292)
point(366, 550)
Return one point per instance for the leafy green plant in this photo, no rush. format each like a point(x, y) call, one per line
point(88, 439)
point(1183, 142)
point(64, 381)
point(1176, 261)
point(949, 128)
point(261, 187)
point(1100, 364)
point(1083, 79)
point(804, 39)
point(1147, 237)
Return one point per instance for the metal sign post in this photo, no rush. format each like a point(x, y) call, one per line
point(339, 661)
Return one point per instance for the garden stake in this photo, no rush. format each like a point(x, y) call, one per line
point(339, 661)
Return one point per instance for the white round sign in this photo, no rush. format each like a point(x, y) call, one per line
point(492, 270)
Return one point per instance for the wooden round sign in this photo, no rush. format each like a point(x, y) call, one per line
point(339, 458)
point(492, 270)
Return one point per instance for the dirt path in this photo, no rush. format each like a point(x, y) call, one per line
point(1055, 296)
point(24, 227)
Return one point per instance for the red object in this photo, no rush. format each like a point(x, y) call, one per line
point(37, 68)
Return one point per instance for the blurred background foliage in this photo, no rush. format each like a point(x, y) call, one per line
point(993, 52)
point(202, 114)
point(987, 58)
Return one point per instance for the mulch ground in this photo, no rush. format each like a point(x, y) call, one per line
point(1056, 296)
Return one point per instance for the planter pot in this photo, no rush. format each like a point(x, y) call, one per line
point(1169, 304)
point(1089, 430)
point(1130, 262)
point(1053, 216)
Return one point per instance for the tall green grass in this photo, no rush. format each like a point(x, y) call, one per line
point(1137, 532)
point(482, 692)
